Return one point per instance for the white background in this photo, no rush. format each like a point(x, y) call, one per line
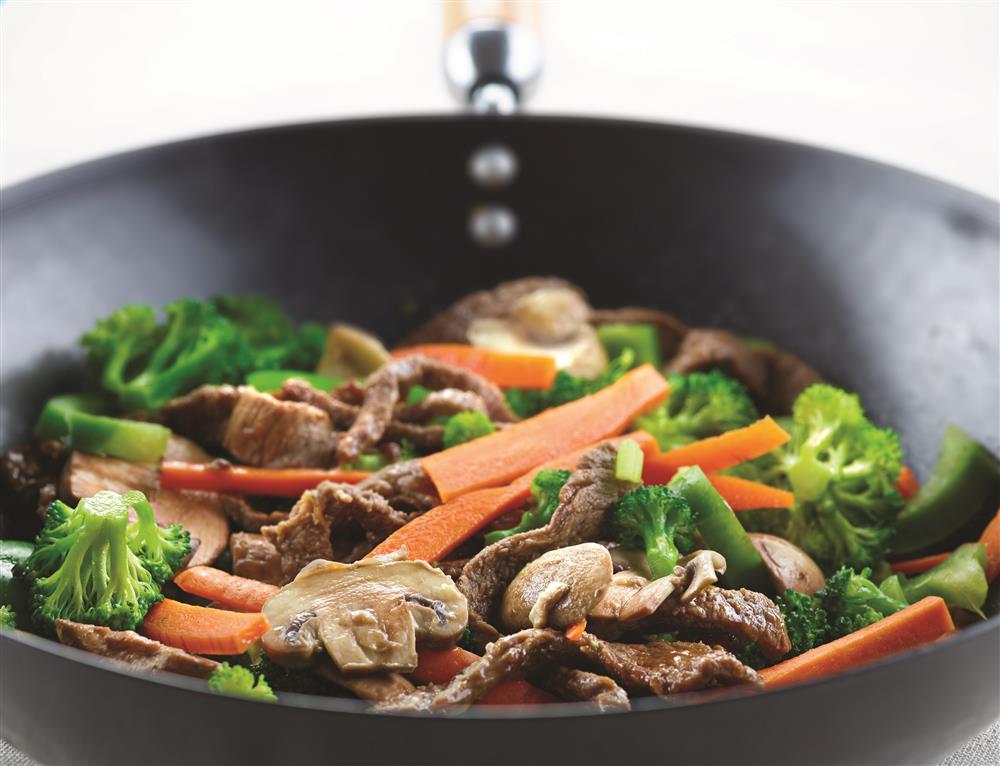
point(911, 83)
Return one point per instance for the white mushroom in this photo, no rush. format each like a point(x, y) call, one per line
point(693, 573)
point(558, 589)
point(788, 565)
point(368, 616)
point(351, 353)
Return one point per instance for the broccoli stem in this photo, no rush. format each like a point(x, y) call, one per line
point(73, 420)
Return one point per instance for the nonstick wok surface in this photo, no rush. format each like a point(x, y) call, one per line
point(887, 282)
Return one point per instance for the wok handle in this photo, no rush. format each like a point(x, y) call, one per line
point(492, 53)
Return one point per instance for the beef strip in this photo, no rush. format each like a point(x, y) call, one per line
point(256, 558)
point(373, 687)
point(248, 518)
point(707, 349)
point(663, 668)
point(574, 685)
point(383, 390)
point(326, 515)
point(129, 647)
point(203, 414)
point(406, 486)
point(29, 477)
point(592, 490)
point(441, 404)
point(265, 431)
point(452, 324)
point(788, 376)
point(526, 652)
point(670, 329)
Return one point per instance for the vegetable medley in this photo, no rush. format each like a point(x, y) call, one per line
point(526, 501)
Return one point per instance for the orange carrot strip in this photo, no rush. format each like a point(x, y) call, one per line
point(717, 452)
point(918, 566)
point(575, 631)
point(922, 622)
point(201, 630)
point(745, 495)
point(435, 534)
point(907, 483)
point(229, 590)
point(991, 539)
point(439, 666)
point(506, 369)
point(278, 482)
point(502, 456)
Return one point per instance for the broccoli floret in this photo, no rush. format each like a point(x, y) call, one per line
point(842, 470)
point(83, 569)
point(545, 488)
point(161, 549)
point(852, 601)
point(567, 387)
point(119, 341)
point(8, 620)
point(273, 340)
point(701, 404)
point(237, 681)
point(658, 519)
point(466, 426)
point(282, 679)
point(805, 619)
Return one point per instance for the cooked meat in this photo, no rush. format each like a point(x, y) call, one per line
point(592, 490)
point(203, 414)
point(374, 687)
point(574, 685)
point(29, 478)
point(788, 376)
point(129, 647)
point(527, 652)
point(453, 568)
point(707, 349)
point(406, 486)
point(441, 404)
point(255, 557)
point(383, 390)
point(671, 329)
point(329, 516)
point(266, 431)
point(248, 518)
point(662, 669)
point(452, 324)
point(199, 512)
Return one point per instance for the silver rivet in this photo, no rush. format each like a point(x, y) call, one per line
point(493, 166)
point(492, 225)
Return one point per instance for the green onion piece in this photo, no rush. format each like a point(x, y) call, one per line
point(74, 421)
point(628, 462)
point(270, 381)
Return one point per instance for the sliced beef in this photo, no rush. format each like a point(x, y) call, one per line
point(255, 557)
point(265, 431)
point(574, 685)
point(341, 414)
point(405, 486)
point(788, 376)
point(708, 349)
point(453, 568)
point(663, 668)
point(324, 524)
point(374, 687)
point(527, 652)
point(670, 329)
point(441, 404)
point(384, 388)
point(452, 324)
point(129, 647)
point(29, 478)
point(203, 414)
point(592, 490)
point(248, 518)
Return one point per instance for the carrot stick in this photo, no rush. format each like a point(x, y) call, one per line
point(991, 539)
point(717, 452)
point(918, 566)
point(439, 666)
point(243, 480)
point(502, 456)
point(435, 534)
point(231, 591)
point(920, 623)
point(506, 369)
point(575, 631)
point(201, 630)
point(745, 495)
point(907, 483)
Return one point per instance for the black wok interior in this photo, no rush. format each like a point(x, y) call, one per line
point(885, 281)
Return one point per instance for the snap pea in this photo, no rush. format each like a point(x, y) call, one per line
point(271, 380)
point(643, 339)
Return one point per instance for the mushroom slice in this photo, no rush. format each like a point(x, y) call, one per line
point(557, 589)
point(693, 573)
point(789, 566)
point(623, 586)
point(351, 353)
point(367, 616)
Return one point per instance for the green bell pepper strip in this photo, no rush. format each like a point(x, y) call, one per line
point(721, 531)
point(960, 580)
point(74, 420)
point(965, 478)
point(643, 339)
point(270, 381)
point(14, 590)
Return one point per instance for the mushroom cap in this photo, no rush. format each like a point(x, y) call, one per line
point(788, 565)
point(558, 589)
point(368, 616)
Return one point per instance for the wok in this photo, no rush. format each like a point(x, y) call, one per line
point(884, 280)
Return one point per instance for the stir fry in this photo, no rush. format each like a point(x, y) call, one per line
point(526, 501)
